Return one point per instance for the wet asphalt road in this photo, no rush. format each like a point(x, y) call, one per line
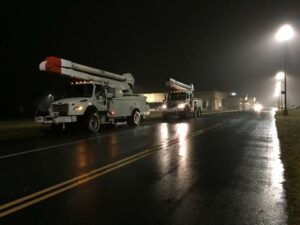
point(218, 169)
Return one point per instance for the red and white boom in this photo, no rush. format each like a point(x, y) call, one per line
point(64, 67)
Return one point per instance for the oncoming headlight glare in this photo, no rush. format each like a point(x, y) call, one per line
point(181, 106)
point(258, 107)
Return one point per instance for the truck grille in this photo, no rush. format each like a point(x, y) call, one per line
point(171, 105)
point(62, 109)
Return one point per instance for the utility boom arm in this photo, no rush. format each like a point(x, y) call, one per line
point(178, 86)
point(64, 67)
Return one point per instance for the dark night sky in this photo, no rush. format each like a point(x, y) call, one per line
point(217, 45)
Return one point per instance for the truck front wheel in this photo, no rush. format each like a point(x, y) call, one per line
point(93, 122)
point(135, 119)
point(165, 116)
point(56, 128)
point(199, 112)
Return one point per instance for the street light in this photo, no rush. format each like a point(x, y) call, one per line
point(280, 76)
point(284, 34)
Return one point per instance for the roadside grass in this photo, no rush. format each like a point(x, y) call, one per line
point(14, 129)
point(289, 135)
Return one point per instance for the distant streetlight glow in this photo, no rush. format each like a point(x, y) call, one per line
point(280, 76)
point(233, 94)
point(285, 33)
point(258, 107)
point(50, 97)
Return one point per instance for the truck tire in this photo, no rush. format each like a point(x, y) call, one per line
point(186, 114)
point(56, 128)
point(195, 114)
point(182, 115)
point(199, 112)
point(93, 122)
point(165, 117)
point(135, 119)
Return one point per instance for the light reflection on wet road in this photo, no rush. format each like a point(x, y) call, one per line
point(228, 175)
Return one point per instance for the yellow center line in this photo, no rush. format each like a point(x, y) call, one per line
point(70, 181)
point(63, 189)
point(39, 196)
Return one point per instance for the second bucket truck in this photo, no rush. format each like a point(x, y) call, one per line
point(96, 97)
point(180, 101)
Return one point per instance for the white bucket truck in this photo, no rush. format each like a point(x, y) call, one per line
point(97, 97)
point(180, 101)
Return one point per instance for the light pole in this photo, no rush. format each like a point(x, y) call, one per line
point(284, 34)
point(278, 90)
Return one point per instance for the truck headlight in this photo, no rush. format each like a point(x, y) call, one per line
point(164, 106)
point(78, 108)
point(181, 106)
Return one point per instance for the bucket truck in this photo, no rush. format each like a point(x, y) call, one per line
point(97, 97)
point(180, 101)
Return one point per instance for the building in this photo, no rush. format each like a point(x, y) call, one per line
point(155, 100)
point(212, 100)
point(233, 103)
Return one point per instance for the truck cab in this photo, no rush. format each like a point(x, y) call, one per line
point(180, 99)
point(77, 98)
point(94, 104)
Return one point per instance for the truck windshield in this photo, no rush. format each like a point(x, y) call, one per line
point(177, 96)
point(79, 90)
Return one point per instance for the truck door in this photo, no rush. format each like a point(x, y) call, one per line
point(100, 98)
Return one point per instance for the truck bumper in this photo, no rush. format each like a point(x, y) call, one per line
point(60, 119)
point(174, 112)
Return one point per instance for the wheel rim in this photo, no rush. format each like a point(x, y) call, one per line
point(94, 123)
point(136, 118)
